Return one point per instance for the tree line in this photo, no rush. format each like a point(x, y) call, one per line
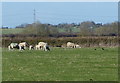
point(87, 28)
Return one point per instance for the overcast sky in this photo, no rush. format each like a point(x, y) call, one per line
point(16, 13)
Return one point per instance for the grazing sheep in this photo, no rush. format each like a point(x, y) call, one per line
point(22, 45)
point(70, 45)
point(37, 47)
point(13, 45)
point(77, 46)
point(43, 46)
point(31, 47)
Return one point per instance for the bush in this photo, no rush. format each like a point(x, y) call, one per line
point(83, 41)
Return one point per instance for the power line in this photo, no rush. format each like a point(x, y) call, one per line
point(34, 15)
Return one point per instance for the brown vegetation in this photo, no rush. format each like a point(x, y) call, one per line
point(82, 41)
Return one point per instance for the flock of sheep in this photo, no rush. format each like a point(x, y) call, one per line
point(40, 46)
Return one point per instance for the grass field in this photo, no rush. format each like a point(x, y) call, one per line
point(61, 65)
point(12, 31)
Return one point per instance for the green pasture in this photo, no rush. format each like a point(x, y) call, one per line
point(60, 64)
point(12, 31)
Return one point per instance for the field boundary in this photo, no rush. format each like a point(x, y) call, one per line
point(60, 82)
